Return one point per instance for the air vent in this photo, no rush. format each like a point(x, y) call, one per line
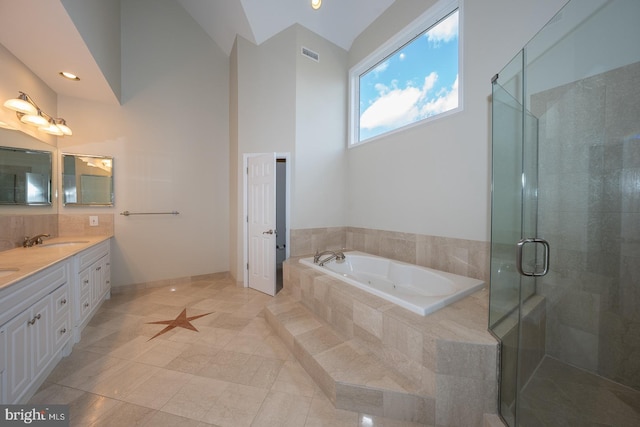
point(310, 54)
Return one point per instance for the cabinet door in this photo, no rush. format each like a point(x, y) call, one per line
point(106, 276)
point(41, 333)
point(96, 286)
point(101, 279)
point(18, 374)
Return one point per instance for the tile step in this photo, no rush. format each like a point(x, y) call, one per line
point(350, 375)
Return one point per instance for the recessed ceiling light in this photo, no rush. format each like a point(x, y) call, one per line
point(316, 4)
point(68, 75)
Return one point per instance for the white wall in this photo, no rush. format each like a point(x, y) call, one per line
point(287, 103)
point(320, 175)
point(264, 117)
point(435, 179)
point(170, 143)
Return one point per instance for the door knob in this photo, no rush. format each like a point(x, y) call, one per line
point(268, 232)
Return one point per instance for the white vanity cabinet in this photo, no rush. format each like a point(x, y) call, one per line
point(42, 315)
point(32, 318)
point(92, 283)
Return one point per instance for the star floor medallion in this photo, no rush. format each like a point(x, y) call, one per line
point(182, 321)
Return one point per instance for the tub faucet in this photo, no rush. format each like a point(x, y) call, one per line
point(35, 240)
point(339, 256)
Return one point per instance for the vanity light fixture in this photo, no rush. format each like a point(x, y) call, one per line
point(315, 4)
point(29, 113)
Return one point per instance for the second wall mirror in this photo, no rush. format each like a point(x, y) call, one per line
point(87, 180)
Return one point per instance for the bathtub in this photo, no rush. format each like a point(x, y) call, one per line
point(418, 289)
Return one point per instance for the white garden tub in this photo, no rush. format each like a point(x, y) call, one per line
point(418, 289)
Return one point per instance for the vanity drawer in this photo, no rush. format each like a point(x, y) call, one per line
point(61, 302)
point(61, 332)
point(91, 255)
point(84, 282)
point(85, 306)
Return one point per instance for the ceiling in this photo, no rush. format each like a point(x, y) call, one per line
point(49, 27)
point(43, 37)
point(339, 21)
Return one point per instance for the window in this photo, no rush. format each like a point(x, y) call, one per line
point(412, 78)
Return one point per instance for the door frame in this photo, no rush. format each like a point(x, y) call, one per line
point(245, 212)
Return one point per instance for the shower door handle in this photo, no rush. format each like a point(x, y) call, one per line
point(519, 248)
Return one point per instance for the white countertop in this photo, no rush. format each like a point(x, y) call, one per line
point(31, 260)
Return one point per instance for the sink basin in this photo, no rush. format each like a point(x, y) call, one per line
point(75, 242)
point(7, 271)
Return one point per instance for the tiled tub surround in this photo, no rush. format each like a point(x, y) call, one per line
point(370, 355)
point(459, 256)
point(14, 228)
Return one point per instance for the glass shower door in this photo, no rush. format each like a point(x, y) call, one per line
point(566, 168)
point(514, 218)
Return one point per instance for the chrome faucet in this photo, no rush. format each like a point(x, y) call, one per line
point(35, 240)
point(338, 256)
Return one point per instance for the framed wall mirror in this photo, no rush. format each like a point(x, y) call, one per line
point(87, 180)
point(25, 176)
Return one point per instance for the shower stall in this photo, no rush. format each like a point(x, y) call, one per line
point(565, 226)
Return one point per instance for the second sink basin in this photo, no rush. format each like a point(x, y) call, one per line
point(75, 242)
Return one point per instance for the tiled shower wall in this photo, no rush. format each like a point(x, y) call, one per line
point(465, 257)
point(14, 228)
point(589, 204)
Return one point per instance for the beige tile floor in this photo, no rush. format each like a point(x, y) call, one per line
point(234, 371)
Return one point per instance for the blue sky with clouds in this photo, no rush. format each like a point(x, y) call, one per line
point(418, 81)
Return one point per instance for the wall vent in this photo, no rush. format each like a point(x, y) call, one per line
point(310, 54)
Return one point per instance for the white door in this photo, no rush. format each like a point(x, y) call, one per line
point(261, 208)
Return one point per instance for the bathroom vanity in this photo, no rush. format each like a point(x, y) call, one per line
point(48, 294)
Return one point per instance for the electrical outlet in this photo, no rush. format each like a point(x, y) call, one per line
point(93, 221)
